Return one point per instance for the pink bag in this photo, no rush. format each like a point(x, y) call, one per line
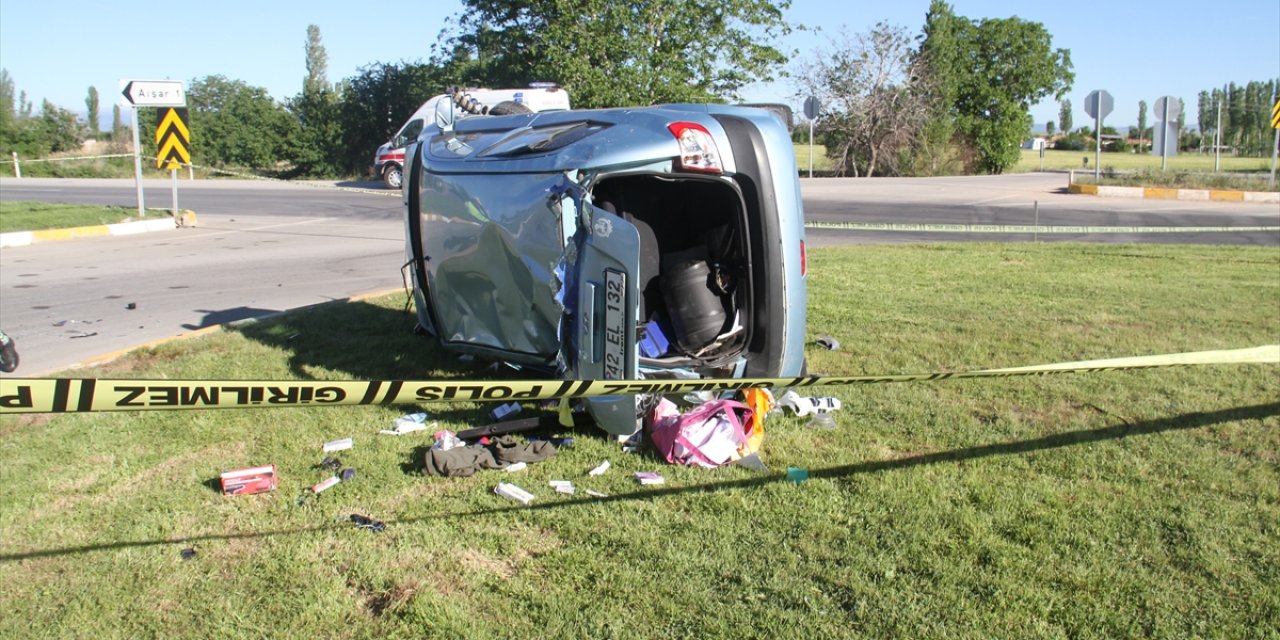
point(707, 435)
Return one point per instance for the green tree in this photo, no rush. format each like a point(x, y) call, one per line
point(91, 111)
point(60, 128)
point(317, 149)
point(8, 106)
point(234, 124)
point(609, 53)
point(375, 103)
point(1142, 122)
point(1064, 116)
point(117, 124)
point(1002, 67)
point(940, 47)
point(1049, 128)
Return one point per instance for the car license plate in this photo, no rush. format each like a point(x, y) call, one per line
point(615, 332)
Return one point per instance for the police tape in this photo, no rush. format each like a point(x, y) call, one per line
point(71, 395)
point(1013, 228)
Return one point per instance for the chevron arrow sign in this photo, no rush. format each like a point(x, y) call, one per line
point(173, 138)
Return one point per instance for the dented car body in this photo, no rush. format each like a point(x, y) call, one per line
point(617, 244)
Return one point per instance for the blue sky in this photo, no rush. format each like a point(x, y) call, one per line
point(1135, 49)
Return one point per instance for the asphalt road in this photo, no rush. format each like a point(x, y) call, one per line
point(263, 247)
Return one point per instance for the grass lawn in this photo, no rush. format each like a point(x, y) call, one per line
point(1105, 505)
point(1125, 161)
point(20, 215)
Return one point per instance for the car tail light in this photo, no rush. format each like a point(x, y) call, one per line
point(698, 150)
point(804, 261)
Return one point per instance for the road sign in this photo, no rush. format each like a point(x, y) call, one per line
point(154, 93)
point(1165, 139)
point(1275, 116)
point(811, 108)
point(1175, 108)
point(173, 138)
point(1098, 104)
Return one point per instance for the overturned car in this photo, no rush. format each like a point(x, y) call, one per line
point(642, 243)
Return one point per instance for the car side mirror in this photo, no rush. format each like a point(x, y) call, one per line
point(444, 115)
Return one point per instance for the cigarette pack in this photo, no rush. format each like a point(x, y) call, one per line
point(252, 480)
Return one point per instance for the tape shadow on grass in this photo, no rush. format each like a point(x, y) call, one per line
point(1055, 441)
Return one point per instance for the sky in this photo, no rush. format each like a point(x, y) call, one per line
point(1133, 49)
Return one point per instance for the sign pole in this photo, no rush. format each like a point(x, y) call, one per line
point(811, 148)
point(1164, 148)
point(1097, 142)
point(173, 174)
point(137, 163)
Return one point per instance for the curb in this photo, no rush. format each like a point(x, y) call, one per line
point(1160, 193)
point(166, 223)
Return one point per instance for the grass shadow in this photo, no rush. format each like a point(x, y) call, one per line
point(1055, 441)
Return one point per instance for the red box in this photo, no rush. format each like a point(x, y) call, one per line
point(246, 481)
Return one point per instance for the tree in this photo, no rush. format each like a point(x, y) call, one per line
point(8, 112)
point(317, 149)
point(117, 124)
point(60, 128)
point(91, 113)
point(999, 67)
point(939, 48)
point(876, 100)
point(1064, 116)
point(610, 53)
point(1142, 122)
point(1048, 128)
point(233, 123)
point(317, 62)
point(375, 103)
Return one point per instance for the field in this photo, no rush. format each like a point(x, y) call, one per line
point(1100, 505)
point(1055, 160)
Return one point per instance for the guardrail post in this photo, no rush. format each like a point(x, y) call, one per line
point(1071, 177)
point(17, 168)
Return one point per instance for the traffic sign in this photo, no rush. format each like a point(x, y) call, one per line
point(1275, 116)
point(154, 93)
point(1175, 108)
point(811, 108)
point(173, 138)
point(1098, 104)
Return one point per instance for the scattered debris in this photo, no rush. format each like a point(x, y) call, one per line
point(446, 440)
point(829, 343)
point(752, 462)
point(365, 522)
point(408, 424)
point(188, 553)
point(131, 306)
point(249, 481)
point(511, 491)
point(338, 445)
point(325, 484)
point(504, 411)
point(347, 474)
point(803, 406)
point(600, 469)
point(88, 334)
point(649, 477)
point(562, 486)
point(797, 475)
point(332, 464)
point(519, 466)
point(8, 354)
point(597, 494)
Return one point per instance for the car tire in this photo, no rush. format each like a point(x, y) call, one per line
point(393, 176)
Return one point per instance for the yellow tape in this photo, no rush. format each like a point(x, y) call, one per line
point(1015, 228)
point(82, 395)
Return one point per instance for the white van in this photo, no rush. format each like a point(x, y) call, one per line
point(388, 160)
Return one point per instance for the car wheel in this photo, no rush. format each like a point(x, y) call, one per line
point(393, 176)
